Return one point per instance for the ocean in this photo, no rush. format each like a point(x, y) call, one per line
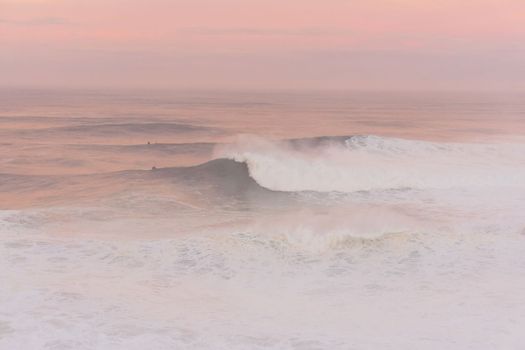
point(261, 220)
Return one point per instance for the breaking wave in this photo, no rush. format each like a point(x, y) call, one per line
point(366, 163)
point(262, 171)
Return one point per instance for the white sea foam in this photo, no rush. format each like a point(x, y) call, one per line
point(254, 290)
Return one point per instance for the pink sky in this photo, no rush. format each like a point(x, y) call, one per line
point(369, 44)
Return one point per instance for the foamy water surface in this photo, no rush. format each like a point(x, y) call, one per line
point(261, 221)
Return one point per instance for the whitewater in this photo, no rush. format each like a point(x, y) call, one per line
point(177, 222)
point(365, 163)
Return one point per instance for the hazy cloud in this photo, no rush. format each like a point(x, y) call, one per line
point(247, 31)
point(37, 21)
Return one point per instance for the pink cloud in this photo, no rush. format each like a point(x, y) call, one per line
point(264, 28)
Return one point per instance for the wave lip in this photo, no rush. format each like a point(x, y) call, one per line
point(367, 163)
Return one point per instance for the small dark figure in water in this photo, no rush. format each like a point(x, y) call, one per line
point(153, 168)
point(149, 143)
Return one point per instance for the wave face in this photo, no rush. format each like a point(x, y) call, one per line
point(367, 163)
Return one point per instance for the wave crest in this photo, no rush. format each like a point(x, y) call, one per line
point(366, 163)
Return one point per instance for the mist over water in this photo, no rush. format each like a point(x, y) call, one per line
point(261, 220)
